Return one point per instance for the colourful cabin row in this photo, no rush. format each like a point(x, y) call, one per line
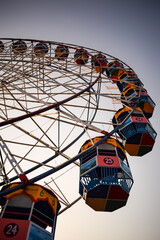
point(28, 212)
point(105, 176)
point(134, 95)
point(136, 131)
point(81, 56)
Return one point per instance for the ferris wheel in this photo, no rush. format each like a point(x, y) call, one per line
point(65, 107)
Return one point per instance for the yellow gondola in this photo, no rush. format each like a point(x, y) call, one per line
point(133, 94)
point(26, 213)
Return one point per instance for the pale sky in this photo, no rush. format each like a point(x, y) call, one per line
point(129, 30)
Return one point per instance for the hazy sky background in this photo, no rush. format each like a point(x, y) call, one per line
point(129, 30)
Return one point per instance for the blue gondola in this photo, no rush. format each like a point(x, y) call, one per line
point(105, 176)
point(136, 131)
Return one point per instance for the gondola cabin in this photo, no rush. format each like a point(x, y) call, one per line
point(19, 47)
point(99, 63)
point(136, 131)
point(81, 56)
point(105, 176)
point(61, 52)
point(41, 49)
point(133, 94)
point(1, 46)
point(114, 70)
point(128, 77)
point(26, 213)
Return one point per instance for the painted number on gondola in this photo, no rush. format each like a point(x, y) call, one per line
point(53, 202)
point(139, 119)
point(11, 230)
point(42, 193)
point(108, 161)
